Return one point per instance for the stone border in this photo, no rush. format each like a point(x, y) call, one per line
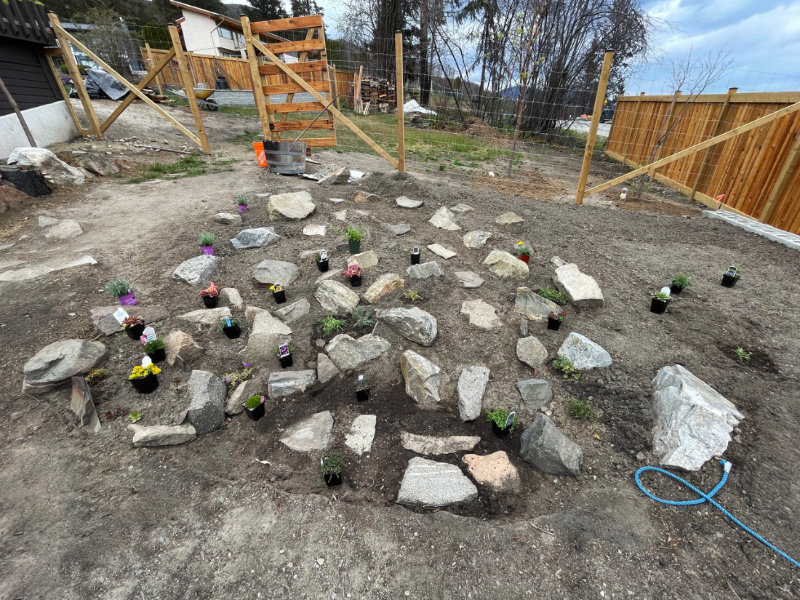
point(750, 225)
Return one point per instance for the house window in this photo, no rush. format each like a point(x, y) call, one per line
point(226, 33)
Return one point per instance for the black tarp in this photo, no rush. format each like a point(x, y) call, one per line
point(100, 81)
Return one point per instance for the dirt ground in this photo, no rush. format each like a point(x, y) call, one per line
point(86, 515)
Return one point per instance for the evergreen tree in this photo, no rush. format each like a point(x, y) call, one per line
point(264, 10)
point(302, 8)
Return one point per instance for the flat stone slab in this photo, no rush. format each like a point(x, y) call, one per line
point(476, 239)
point(282, 384)
point(404, 202)
point(471, 387)
point(505, 265)
point(508, 218)
point(315, 230)
point(584, 353)
point(462, 208)
point(399, 229)
point(232, 297)
point(581, 289)
point(290, 206)
point(311, 434)
point(294, 311)
point(444, 219)
point(336, 298)
point(38, 270)
point(430, 483)
point(349, 354)
point(255, 238)
point(228, 218)
point(64, 230)
point(365, 260)
point(206, 316)
point(56, 364)
point(197, 270)
point(362, 433)
point(494, 471)
point(161, 435)
point(533, 306)
point(45, 221)
point(385, 284)
point(481, 314)
point(270, 271)
point(440, 250)
point(535, 393)
point(531, 351)
point(468, 279)
point(434, 446)
point(103, 316)
point(326, 370)
point(425, 270)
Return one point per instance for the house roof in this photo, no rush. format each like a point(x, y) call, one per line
point(237, 25)
point(25, 21)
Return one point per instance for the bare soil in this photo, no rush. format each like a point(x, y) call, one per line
point(85, 515)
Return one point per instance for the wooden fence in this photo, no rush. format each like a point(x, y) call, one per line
point(757, 171)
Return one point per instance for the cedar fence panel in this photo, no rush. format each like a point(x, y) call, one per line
point(749, 169)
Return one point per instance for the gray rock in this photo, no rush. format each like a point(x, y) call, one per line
point(206, 316)
point(471, 388)
point(232, 297)
point(412, 323)
point(207, 409)
point(462, 208)
point(56, 364)
point(557, 262)
point(468, 279)
point(481, 314)
point(430, 483)
point(404, 202)
point(294, 311)
point(255, 238)
point(398, 229)
point(476, 239)
point(443, 219)
point(506, 265)
point(508, 218)
point(103, 316)
point(365, 260)
point(326, 370)
point(434, 446)
point(440, 250)
point(362, 433)
point(38, 270)
point(548, 449)
point(197, 270)
point(179, 343)
point(349, 354)
point(275, 271)
point(386, 283)
point(228, 218)
point(267, 332)
point(45, 221)
point(291, 206)
point(584, 353)
point(64, 230)
point(282, 384)
point(425, 270)
point(422, 379)
point(161, 435)
point(693, 421)
point(533, 306)
point(535, 393)
point(53, 168)
point(531, 351)
point(310, 434)
point(336, 298)
point(581, 289)
point(240, 394)
point(99, 164)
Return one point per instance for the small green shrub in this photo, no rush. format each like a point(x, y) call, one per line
point(662, 296)
point(554, 296)
point(253, 402)
point(681, 280)
point(442, 167)
point(742, 354)
point(499, 417)
point(241, 200)
point(412, 296)
point(134, 416)
point(206, 239)
point(566, 368)
point(223, 324)
point(580, 409)
point(331, 464)
point(353, 234)
point(331, 324)
point(118, 288)
point(153, 346)
point(362, 316)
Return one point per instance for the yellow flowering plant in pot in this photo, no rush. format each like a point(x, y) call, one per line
point(144, 379)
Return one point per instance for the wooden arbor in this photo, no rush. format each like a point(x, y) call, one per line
point(269, 80)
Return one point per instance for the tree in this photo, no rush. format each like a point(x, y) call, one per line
point(301, 8)
point(265, 10)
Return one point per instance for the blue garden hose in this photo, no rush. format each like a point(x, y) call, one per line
point(703, 497)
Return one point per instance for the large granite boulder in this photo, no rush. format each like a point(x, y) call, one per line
point(412, 323)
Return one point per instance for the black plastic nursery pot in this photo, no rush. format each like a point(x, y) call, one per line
point(280, 297)
point(658, 306)
point(286, 361)
point(500, 431)
point(158, 355)
point(415, 258)
point(232, 332)
point(553, 324)
point(355, 281)
point(332, 479)
point(729, 280)
point(136, 331)
point(322, 265)
point(257, 412)
point(145, 385)
point(675, 289)
point(210, 301)
point(354, 247)
point(362, 395)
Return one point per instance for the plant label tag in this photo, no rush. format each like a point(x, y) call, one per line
point(284, 350)
point(146, 362)
point(323, 254)
point(510, 419)
point(665, 290)
point(415, 250)
point(149, 334)
point(227, 321)
point(120, 315)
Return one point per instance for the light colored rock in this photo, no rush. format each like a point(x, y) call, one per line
point(282, 384)
point(161, 435)
point(494, 471)
point(41, 269)
point(307, 254)
point(326, 370)
point(440, 250)
point(103, 316)
point(98, 164)
point(581, 289)
point(341, 215)
point(531, 351)
point(255, 238)
point(506, 265)
point(584, 353)
point(548, 449)
point(361, 197)
point(434, 446)
point(45, 221)
point(430, 483)
point(443, 219)
point(206, 316)
point(399, 229)
point(533, 306)
point(310, 434)
point(404, 202)
point(422, 379)
point(349, 354)
point(535, 393)
point(693, 421)
point(291, 206)
point(327, 275)
point(251, 312)
point(56, 364)
point(315, 230)
point(386, 283)
point(476, 239)
point(508, 218)
point(412, 323)
point(228, 218)
point(240, 394)
point(362, 433)
point(471, 387)
point(365, 260)
point(207, 409)
point(267, 332)
point(232, 297)
point(179, 343)
point(481, 314)
point(557, 262)
point(197, 270)
point(270, 271)
point(291, 312)
point(64, 230)
point(336, 298)
point(468, 279)
point(462, 208)
point(425, 270)
point(53, 168)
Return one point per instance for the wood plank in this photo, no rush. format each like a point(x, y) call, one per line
point(743, 98)
point(298, 46)
point(258, 94)
point(294, 107)
point(299, 67)
point(293, 88)
point(301, 125)
point(67, 103)
point(286, 24)
point(401, 132)
point(789, 168)
point(319, 142)
point(188, 87)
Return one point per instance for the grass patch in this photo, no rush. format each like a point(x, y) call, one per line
point(580, 409)
point(554, 296)
point(188, 166)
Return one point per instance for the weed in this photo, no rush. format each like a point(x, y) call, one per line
point(566, 368)
point(234, 378)
point(742, 354)
point(412, 296)
point(554, 296)
point(580, 409)
point(134, 416)
point(188, 166)
point(362, 316)
point(443, 167)
point(97, 375)
point(331, 324)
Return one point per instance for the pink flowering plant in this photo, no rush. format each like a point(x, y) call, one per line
point(352, 271)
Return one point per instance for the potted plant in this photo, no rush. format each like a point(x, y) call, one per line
point(206, 242)
point(121, 290)
point(156, 351)
point(133, 326)
point(354, 235)
point(680, 282)
point(241, 204)
point(210, 295)
point(415, 255)
point(230, 327)
point(284, 353)
point(730, 277)
point(255, 406)
point(362, 389)
point(659, 301)
point(353, 273)
point(555, 318)
point(524, 252)
point(503, 423)
point(322, 260)
point(278, 293)
point(144, 379)
point(331, 468)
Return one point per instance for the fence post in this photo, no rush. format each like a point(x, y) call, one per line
point(596, 114)
point(336, 88)
point(398, 94)
point(668, 124)
point(788, 169)
point(720, 125)
point(189, 88)
point(258, 89)
point(152, 63)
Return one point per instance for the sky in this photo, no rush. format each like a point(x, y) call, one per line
point(762, 37)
